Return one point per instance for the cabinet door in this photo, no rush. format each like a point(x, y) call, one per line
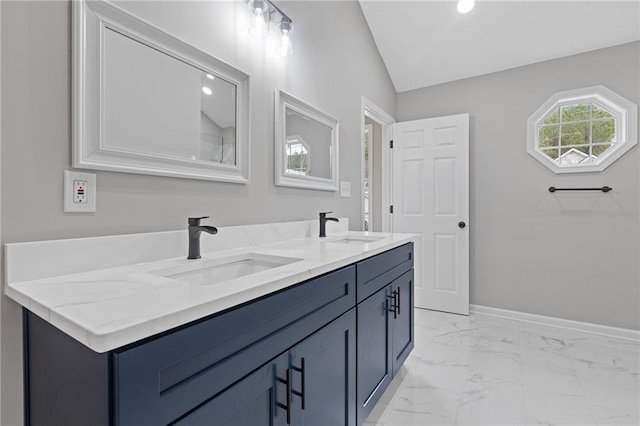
point(374, 350)
point(324, 375)
point(402, 323)
point(253, 401)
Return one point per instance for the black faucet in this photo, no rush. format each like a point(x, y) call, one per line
point(323, 223)
point(195, 229)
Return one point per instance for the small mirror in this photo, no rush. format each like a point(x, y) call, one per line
point(154, 105)
point(306, 145)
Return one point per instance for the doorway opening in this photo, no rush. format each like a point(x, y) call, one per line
point(376, 168)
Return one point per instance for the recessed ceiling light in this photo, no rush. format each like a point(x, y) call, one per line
point(465, 6)
point(206, 90)
point(210, 77)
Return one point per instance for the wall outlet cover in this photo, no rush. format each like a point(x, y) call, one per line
point(79, 192)
point(345, 189)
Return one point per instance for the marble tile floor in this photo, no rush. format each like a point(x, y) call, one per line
point(486, 370)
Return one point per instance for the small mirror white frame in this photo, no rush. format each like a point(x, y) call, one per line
point(286, 104)
point(93, 21)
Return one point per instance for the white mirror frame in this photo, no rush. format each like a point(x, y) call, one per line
point(284, 101)
point(90, 21)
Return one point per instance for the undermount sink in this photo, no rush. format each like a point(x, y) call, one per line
point(208, 272)
point(357, 240)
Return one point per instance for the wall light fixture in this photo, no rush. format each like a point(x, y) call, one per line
point(260, 19)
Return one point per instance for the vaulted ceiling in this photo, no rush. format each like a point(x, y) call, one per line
point(424, 43)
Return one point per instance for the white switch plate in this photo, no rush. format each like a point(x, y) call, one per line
point(79, 192)
point(345, 189)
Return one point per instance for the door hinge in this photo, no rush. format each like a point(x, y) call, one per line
point(391, 144)
point(391, 209)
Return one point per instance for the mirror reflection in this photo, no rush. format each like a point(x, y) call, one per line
point(217, 120)
point(308, 146)
point(198, 124)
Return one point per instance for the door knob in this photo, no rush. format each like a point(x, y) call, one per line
point(461, 225)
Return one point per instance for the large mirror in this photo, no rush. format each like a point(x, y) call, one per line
point(306, 142)
point(145, 102)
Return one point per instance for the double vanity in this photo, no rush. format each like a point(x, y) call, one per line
point(251, 325)
point(273, 325)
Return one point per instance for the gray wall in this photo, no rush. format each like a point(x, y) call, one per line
point(335, 63)
point(569, 255)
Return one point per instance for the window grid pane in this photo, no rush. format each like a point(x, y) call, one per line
point(567, 133)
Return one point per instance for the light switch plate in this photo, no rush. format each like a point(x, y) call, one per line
point(79, 192)
point(345, 189)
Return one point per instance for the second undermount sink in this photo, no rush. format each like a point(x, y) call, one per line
point(208, 272)
point(357, 239)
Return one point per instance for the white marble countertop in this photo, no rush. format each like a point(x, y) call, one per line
point(108, 308)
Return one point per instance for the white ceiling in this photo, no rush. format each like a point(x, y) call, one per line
point(424, 43)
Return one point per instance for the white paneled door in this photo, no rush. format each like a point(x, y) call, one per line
point(431, 198)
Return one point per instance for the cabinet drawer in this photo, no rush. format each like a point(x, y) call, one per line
point(161, 380)
point(378, 271)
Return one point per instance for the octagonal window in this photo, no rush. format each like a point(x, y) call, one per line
point(582, 130)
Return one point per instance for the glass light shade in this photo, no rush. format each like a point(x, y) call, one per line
point(285, 44)
point(465, 6)
point(259, 19)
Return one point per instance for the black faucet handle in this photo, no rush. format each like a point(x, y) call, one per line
point(324, 214)
point(195, 221)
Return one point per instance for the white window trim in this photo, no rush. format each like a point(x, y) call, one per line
point(626, 115)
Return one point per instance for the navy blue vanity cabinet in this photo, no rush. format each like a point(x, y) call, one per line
point(317, 353)
point(161, 380)
point(385, 322)
point(312, 384)
point(174, 375)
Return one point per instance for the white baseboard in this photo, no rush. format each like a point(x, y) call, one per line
point(587, 327)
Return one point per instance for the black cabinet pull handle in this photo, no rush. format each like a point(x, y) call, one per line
point(398, 302)
point(394, 305)
point(302, 392)
point(286, 406)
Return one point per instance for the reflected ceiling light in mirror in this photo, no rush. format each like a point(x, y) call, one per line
point(285, 47)
point(260, 18)
point(210, 77)
point(261, 11)
point(465, 6)
point(206, 90)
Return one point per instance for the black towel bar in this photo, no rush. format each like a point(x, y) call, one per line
point(603, 189)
